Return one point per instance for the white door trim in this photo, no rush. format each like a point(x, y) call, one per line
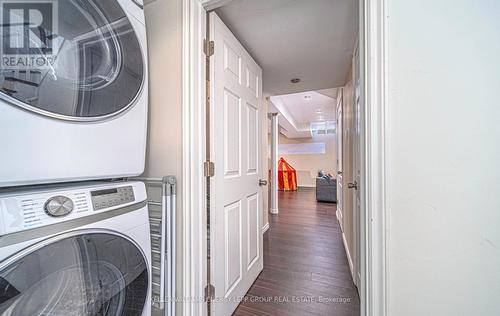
point(374, 282)
point(210, 5)
point(373, 245)
point(193, 143)
point(358, 141)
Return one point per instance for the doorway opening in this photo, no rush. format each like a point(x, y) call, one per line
point(250, 239)
point(311, 235)
point(239, 89)
point(306, 250)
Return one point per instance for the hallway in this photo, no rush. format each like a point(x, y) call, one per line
point(304, 262)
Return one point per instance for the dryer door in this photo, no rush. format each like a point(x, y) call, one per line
point(86, 274)
point(76, 60)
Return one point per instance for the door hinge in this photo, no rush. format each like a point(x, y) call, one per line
point(209, 292)
point(209, 169)
point(208, 47)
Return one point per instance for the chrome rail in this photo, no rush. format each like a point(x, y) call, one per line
point(163, 228)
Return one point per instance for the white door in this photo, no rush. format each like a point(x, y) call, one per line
point(357, 139)
point(235, 148)
point(340, 158)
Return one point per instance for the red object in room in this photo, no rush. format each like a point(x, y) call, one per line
point(287, 176)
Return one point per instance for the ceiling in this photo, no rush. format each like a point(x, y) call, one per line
point(298, 110)
point(308, 39)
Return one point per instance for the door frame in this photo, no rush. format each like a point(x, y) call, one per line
point(340, 158)
point(373, 246)
point(193, 195)
point(373, 54)
point(358, 140)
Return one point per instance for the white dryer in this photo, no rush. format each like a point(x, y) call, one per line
point(81, 112)
point(80, 250)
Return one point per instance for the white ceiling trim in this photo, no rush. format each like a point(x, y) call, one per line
point(298, 111)
point(210, 5)
point(289, 127)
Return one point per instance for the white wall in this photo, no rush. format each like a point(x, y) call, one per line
point(443, 158)
point(307, 166)
point(164, 152)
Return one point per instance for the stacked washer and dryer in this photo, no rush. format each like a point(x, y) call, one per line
point(71, 245)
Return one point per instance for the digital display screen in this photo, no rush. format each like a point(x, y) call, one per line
point(104, 192)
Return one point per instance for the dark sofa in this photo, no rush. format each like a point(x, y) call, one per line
point(326, 188)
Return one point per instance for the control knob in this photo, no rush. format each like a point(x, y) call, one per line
point(58, 206)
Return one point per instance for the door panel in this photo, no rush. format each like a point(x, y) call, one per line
point(252, 82)
point(252, 117)
point(235, 148)
point(232, 132)
point(232, 242)
point(253, 230)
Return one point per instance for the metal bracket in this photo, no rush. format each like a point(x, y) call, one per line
point(208, 47)
point(209, 292)
point(209, 169)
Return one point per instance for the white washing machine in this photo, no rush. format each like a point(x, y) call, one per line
point(79, 250)
point(81, 112)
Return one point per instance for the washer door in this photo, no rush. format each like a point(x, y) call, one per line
point(85, 274)
point(83, 63)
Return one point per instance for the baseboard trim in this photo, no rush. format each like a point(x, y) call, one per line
point(349, 259)
point(265, 228)
point(340, 219)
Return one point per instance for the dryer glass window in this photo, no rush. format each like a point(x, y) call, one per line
point(87, 275)
point(76, 59)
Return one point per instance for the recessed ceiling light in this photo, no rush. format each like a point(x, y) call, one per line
point(295, 80)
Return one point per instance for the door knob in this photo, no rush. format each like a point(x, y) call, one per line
point(262, 183)
point(353, 185)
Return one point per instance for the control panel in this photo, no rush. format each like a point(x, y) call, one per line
point(28, 209)
point(102, 199)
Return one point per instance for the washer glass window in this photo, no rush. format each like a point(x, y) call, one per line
point(89, 274)
point(78, 59)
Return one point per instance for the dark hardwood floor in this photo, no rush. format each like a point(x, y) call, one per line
point(305, 266)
